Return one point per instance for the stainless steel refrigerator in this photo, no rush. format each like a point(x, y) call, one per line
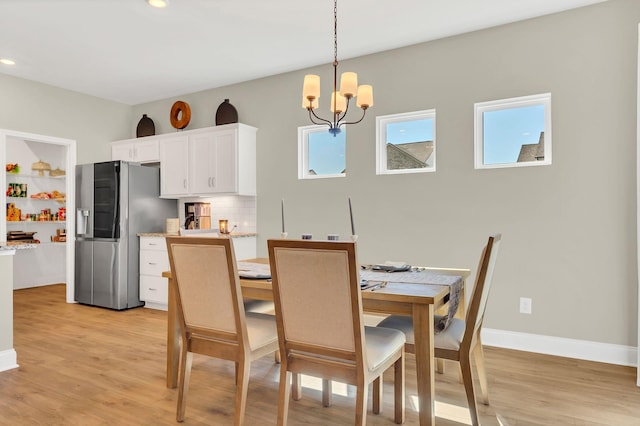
point(115, 201)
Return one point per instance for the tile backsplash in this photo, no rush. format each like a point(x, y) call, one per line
point(239, 210)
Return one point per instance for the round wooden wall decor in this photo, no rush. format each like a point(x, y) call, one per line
point(180, 115)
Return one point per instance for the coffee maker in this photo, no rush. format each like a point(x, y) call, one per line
point(197, 216)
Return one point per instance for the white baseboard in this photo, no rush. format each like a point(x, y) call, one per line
point(8, 359)
point(559, 346)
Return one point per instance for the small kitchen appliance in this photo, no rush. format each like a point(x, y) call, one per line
point(197, 216)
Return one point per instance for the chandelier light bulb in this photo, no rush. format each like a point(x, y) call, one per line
point(348, 84)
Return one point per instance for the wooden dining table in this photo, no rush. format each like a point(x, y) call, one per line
point(419, 301)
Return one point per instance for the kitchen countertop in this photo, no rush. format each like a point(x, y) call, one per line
point(164, 234)
point(17, 247)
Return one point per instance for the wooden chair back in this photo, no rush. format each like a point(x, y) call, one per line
point(481, 289)
point(208, 296)
point(327, 274)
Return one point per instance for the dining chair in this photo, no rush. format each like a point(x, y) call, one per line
point(250, 305)
point(316, 289)
point(462, 337)
point(212, 316)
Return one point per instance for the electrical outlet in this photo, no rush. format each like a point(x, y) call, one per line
point(525, 305)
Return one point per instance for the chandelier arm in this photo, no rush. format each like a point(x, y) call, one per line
point(344, 113)
point(322, 120)
point(364, 112)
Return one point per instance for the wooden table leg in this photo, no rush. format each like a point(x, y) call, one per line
point(173, 339)
point(423, 330)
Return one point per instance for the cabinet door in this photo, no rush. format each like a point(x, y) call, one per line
point(213, 162)
point(174, 166)
point(123, 151)
point(147, 151)
point(203, 163)
point(226, 162)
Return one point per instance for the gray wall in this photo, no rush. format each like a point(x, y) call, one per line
point(568, 229)
point(32, 107)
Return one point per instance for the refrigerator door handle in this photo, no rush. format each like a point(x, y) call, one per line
point(82, 217)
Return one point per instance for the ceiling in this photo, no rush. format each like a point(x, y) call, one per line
point(126, 51)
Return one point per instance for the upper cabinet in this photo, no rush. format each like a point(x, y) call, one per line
point(174, 166)
point(204, 162)
point(141, 150)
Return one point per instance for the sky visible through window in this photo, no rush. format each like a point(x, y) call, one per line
point(410, 131)
point(506, 130)
point(327, 154)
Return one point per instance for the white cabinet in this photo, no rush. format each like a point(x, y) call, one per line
point(154, 260)
point(174, 166)
point(219, 160)
point(141, 150)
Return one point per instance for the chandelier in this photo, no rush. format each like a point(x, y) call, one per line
point(339, 99)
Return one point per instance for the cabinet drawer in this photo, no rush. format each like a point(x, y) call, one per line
point(154, 289)
point(153, 262)
point(153, 243)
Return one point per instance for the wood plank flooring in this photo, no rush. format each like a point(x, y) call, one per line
point(83, 365)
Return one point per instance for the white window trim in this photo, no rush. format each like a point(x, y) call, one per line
point(303, 152)
point(381, 138)
point(481, 107)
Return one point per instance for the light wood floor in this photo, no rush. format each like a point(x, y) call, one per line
point(83, 365)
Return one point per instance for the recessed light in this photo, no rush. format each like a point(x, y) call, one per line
point(7, 61)
point(158, 3)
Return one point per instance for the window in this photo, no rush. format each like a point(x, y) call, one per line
point(513, 132)
point(320, 154)
point(406, 143)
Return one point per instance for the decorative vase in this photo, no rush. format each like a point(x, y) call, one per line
point(145, 127)
point(226, 113)
point(180, 115)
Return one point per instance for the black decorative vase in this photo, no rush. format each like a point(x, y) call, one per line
point(226, 113)
point(145, 127)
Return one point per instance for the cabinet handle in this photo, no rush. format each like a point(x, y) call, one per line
point(152, 244)
point(152, 289)
point(152, 263)
point(213, 180)
point(184, 183)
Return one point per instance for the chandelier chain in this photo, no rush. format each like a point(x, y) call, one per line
point(335, 33)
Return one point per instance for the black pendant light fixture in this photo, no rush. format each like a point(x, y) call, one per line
point(339, 99)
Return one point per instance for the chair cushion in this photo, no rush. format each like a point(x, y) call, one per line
point(449, 338)
point(261, 329)
point(381, 344)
